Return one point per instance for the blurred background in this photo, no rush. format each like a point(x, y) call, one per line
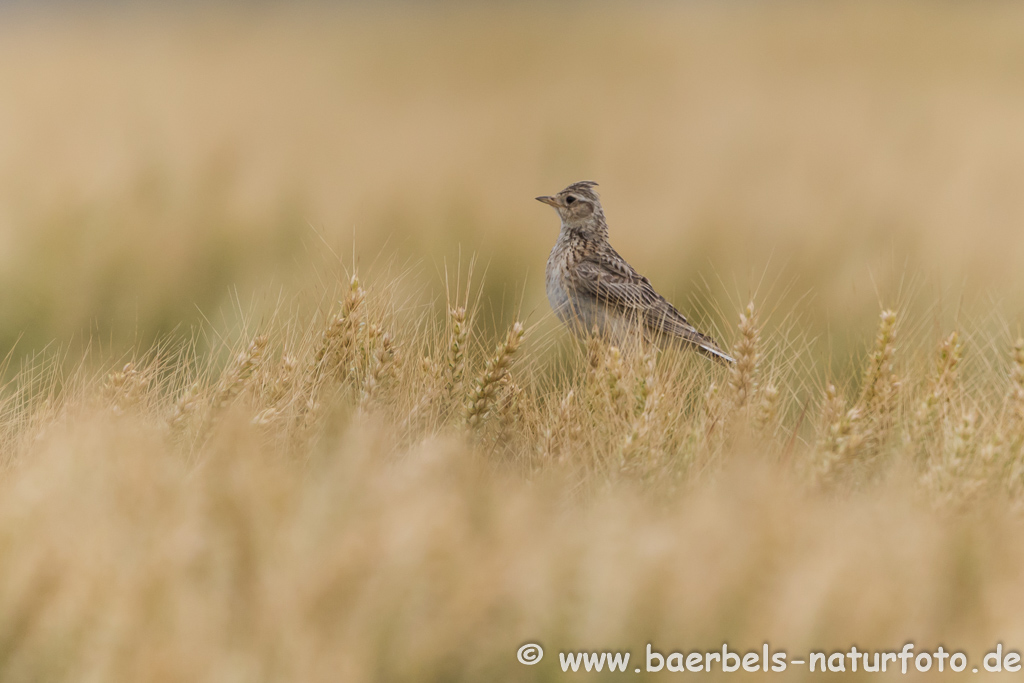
point(160, 166)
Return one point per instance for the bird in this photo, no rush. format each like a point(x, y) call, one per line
point(591, 287)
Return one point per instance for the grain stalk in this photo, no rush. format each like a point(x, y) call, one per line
point(278, 391)
point(125, 388)
point(481, 398)
point(381, 368)
point(185, 408)
point(742, 375)
point(880, 384)
point(767, 409)
point(335, 349)
point(234, 379)
point(932, 412)
point(338, 339)
point(458, 340)
point(855, 436)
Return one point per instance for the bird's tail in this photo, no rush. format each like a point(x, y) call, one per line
point(714, 353)
point(673, 325)
point(705, 344)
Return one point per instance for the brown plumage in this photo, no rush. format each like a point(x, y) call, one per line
point(590, 285)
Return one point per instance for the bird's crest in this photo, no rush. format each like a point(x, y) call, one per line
point(583, 187)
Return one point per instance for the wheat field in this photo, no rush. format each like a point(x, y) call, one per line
point(283, 399)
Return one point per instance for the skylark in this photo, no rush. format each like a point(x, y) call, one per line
point(590, 286)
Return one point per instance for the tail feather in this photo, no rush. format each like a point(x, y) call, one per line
point(716, 354)
point(699, 342)
point(673, 324)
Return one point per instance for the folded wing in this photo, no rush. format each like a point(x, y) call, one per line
point(615, 284)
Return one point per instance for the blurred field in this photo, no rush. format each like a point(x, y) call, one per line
point(300, 478)
point(836, 156)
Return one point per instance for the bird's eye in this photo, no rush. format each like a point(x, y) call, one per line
point(570, 199)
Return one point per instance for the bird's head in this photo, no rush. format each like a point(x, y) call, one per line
point(579, 207)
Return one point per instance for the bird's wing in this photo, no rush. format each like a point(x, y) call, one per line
point(615, 284)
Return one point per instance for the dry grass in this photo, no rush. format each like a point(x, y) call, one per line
point(377, 495)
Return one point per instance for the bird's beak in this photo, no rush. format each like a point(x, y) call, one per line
point(550, 201)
